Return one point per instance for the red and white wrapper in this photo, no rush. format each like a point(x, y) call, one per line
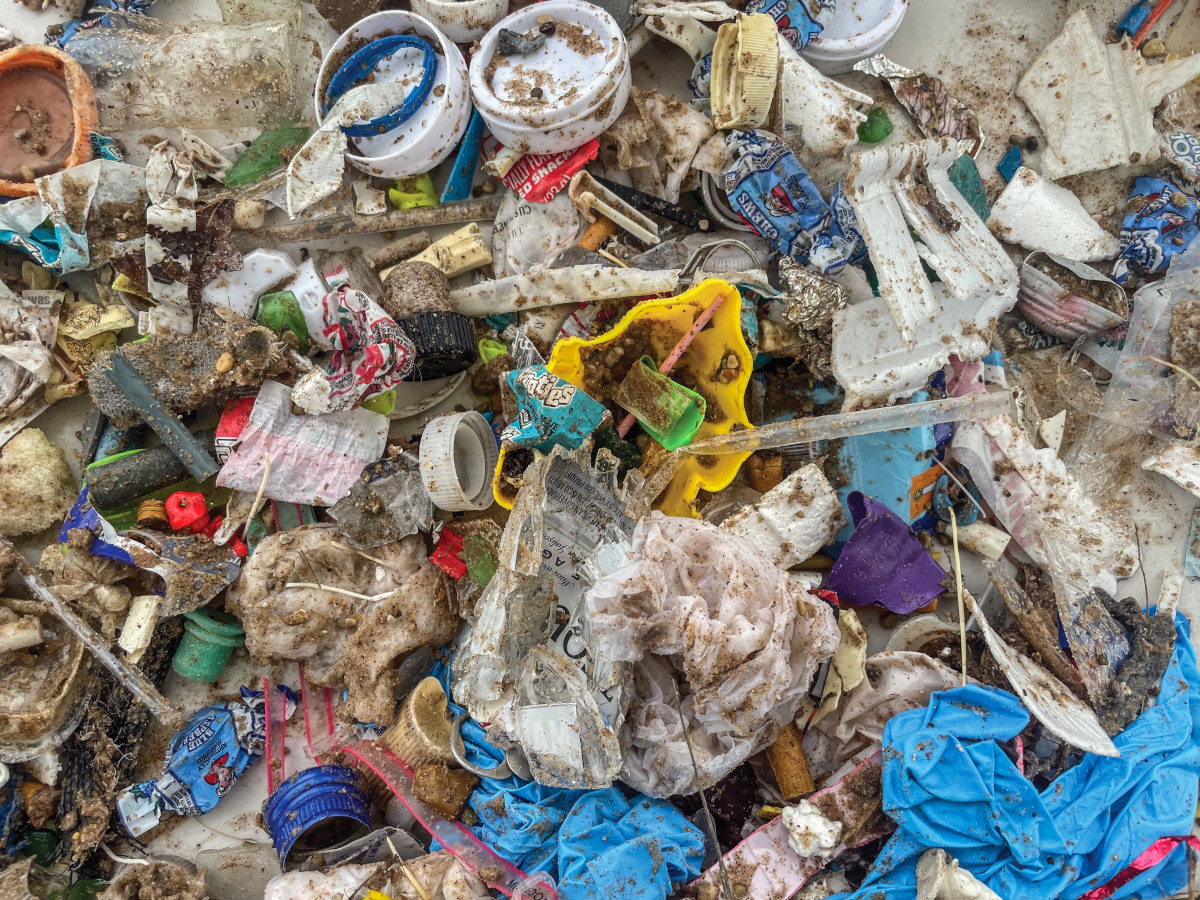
point(538, 177)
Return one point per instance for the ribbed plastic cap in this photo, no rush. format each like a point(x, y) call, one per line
point(458, 454)
point(322, 805)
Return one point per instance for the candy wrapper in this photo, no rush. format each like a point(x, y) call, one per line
point(371, 354)
point(773, 193)
point(925, 97)
point(203, 761)
point(1160, 222)
point(535, 176)
point(549, 411)
point(799, 21)
point(1183, 149)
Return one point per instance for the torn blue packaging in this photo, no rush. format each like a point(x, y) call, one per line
point(799, 21)
point(549, 411)
point(772, 192)
point(1160, 222)
point(598, 845)
point(949, 784)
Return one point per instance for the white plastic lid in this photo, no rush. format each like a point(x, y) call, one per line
point(458, 454)
point(575, 67)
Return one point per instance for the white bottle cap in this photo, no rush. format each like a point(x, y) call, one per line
point(458, 454)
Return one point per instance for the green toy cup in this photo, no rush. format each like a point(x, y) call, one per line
point(670, 413)
point(209, 637)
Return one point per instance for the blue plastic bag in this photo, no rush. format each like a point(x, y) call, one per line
point(948, 784)
point(1160, 222)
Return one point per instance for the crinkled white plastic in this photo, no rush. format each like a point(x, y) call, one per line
point(704, 612)
point(810, 833)
point(896, 681)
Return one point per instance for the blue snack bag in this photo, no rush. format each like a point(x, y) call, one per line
point(549, 411)
point(1160, 221)
point(799, 21)
point(769, 188)
point(203, 762)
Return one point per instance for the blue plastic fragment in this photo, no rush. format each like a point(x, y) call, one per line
point(1012, 161)
point(462, 173)
point(363, 62)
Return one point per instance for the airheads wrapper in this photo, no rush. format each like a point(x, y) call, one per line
point(799, 21)
point(203, 761)
point(549, 411)
point(1160, 222)
point(769, 188)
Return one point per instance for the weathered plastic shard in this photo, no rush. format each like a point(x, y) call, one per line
point(306, 595)
point(822, 114)
point(552, 287)
point(1179, 461)
point(1045, 696)
point(594, 199)
point(1095, 102)
point(387, 503)
point(907, 187)
point(940, 878)
point(1056, 306)
point(1038, 214)
point(793, 520)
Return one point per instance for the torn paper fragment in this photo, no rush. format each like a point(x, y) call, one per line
point(312, 459)
point(1095, 102)
point(1038, 214)
point(793, 520)
point(1045, 696)
point(810, 833)
point(1179, 461)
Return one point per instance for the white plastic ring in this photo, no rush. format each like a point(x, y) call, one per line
point(458, 455)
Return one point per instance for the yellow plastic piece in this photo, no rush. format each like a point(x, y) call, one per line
point(499, 488)
point(377, 895)
point(705, 359)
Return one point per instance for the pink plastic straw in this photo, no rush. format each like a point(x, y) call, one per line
point(668, 364)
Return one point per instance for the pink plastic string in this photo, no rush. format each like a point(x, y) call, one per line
point(1149, 858)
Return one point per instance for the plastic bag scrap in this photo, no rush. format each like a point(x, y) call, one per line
point(382, 608)
point(1178, 461)
point(528, 236)
point(712, 629)
point(203, 761)
point(883, 562)
point(387, 503)
point(655, 140)
point(1035, 486)
point(26, 360)
point(925, 97)
point(949, 784)
point(895, 681)
point(550, 411)
point(302, 459)
point(371, 354)
point(1095, 102)
point(769, 188)
point(1160, 222)
point(52, 227)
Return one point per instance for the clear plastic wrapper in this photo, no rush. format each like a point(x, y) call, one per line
point(148, 73)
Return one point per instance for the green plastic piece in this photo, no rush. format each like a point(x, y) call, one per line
point(209, 637)
point(965, 176)
point(383, 403)
point(477, 556)
point(268, 153)
point(876, 127)
point(42, 845)
point(490, 349)
point(281, 312)
point(627, 454)
point(83, 889)
point(409, 193)
point(670, 413)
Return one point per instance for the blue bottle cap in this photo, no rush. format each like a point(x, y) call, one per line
point(316, 809)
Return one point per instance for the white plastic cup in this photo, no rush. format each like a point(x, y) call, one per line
point(462, 21)
point(858, 29)
point(583, 84)
point(418, 145)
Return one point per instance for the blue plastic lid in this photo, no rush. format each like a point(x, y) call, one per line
point(316, 809)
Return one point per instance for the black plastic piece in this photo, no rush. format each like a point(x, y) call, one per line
point(445, 342)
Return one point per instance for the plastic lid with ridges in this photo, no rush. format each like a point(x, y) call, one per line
point(458, 454)
point(745, 71)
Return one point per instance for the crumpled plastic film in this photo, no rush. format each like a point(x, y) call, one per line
point(949, 785)
point(703, 612)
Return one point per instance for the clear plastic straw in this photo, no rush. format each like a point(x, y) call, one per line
point(866, 421)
